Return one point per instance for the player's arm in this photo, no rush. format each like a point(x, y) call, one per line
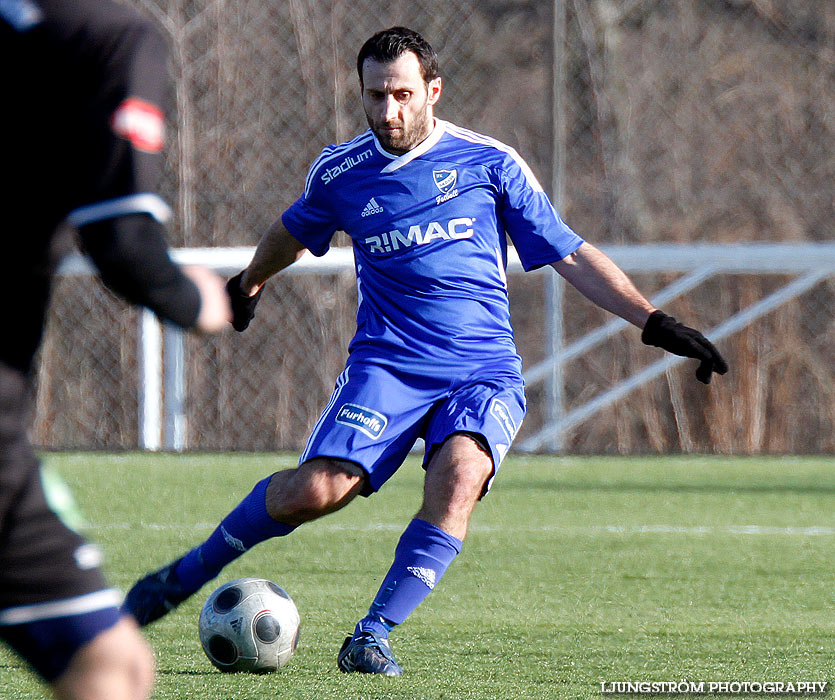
point(132, 256)
point(599, 279)
point(595, 276)
point(276, 250)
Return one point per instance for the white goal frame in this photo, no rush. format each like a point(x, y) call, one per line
point(163, 388)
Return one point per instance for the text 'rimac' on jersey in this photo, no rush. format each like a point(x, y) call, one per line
point(429, 231)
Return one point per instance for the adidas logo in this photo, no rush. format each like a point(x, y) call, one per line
point(424, 574)
point(231, 540)
point(372, 208)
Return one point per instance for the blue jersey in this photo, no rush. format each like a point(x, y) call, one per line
point(428, 230)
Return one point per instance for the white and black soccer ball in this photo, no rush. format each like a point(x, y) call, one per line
point(250, 625)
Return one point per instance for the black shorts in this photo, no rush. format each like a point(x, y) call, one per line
point(53, 596)
point(41, 559)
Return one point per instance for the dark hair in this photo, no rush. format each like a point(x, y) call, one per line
point(390, 44)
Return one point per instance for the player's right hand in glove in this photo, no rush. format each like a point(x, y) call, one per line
point(665, 332)
point(243, 305)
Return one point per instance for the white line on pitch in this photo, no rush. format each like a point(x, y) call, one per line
point(813, 530)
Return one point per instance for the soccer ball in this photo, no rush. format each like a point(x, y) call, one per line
point(249, 624)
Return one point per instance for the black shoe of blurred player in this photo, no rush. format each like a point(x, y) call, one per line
point(368, 653)
point(155, 595)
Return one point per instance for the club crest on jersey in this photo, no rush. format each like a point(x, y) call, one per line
point(445, 181)
point(140, 122)
point(366, 420)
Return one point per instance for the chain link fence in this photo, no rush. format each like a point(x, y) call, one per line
point(696, 121)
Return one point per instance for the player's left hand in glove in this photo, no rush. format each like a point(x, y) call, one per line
point(243, 305)
point(665, 332)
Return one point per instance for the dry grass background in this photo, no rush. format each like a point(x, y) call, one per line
point(696, 121)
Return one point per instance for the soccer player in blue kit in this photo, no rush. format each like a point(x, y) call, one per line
point(427, 205)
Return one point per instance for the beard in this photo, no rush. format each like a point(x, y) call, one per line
point(405, 136)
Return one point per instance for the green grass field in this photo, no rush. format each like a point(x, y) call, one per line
point(577, 571)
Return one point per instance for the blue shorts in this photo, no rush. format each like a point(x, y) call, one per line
point(376, 414)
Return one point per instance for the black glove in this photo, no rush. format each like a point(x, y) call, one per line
point(243, 305)
point(665, 332)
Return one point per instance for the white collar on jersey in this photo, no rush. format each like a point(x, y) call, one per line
point(398, 162)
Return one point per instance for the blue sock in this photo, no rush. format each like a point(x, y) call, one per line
point(247, 525)
point(422, 556)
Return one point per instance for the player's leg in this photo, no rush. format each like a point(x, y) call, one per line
point(467, 439)
point(81, 645)
point(117, 664)
point(96, 655)
point(274, 508)
point(354, 447)
point(455, 479)
point(55, 607)
point(318, 487)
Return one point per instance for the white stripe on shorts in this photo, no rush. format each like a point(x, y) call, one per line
point(90, 602)
point(341, 381)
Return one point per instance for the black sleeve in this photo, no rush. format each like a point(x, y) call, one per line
point(132, 256)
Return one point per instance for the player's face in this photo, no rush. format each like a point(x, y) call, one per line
point(398, 103)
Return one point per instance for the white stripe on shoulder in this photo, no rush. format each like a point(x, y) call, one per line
point(473, 137)
point(330, 153)
point(145, 203)
point(80, 605)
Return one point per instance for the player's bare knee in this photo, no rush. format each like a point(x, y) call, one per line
point(477, 473)
point(314, 489)
point(455, 480)
point(463, 463)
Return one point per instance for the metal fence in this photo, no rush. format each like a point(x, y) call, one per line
point(652, 121)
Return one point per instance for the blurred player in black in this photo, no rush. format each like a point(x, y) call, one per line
point(85, 86)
